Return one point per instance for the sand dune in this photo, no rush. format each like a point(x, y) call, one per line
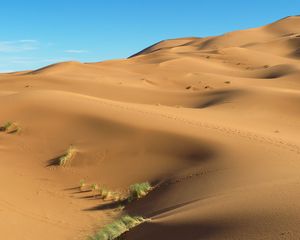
point(212, 123)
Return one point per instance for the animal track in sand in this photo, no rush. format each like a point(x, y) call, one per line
point(277, 142)
point(38, 217)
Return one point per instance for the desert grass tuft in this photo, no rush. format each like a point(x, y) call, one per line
point(117, 228)
point(82, 184)
point(66, 158)
point(10, 127)
point(94, 187)
point(139, 190)
point(108, 195)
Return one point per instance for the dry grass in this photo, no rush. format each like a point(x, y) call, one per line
point(10, 127)
point(82, 184)
point(66, 158)
point(108, 195)
point(117, 228)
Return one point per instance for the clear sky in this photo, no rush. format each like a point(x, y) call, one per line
point(35, 33)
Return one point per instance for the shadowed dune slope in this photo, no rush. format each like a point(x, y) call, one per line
point(212, 123)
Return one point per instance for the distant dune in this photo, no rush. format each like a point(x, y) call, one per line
point(212, 123)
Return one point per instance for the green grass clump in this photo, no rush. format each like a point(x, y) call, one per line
point(64, 159)
point(139, 190)
point(10, 127)
point(117, 228)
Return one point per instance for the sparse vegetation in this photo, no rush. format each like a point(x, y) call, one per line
point(139, 190)
point(105, 193)
point(66, 158)
point(94, 187)
point(82, 184)
point(108, 195)
point(102, 192)
point(117, 228)
point(6, 126)
point(135, 191)
point(10, 127)
point(120, 208)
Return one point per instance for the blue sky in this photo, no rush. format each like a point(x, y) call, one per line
point(36, 33)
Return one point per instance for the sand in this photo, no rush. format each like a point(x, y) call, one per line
point(212, 122)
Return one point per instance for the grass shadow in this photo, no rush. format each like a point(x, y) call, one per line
point(71, 188)
point(91, 197)
point(54, 161)
point(107, 206)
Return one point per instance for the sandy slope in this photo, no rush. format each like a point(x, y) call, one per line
point(212, 122)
